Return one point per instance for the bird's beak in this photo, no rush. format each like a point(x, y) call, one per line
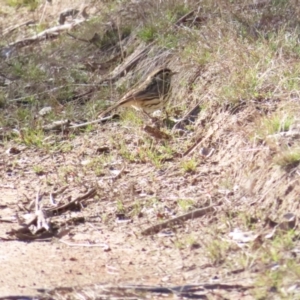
point(173, 73)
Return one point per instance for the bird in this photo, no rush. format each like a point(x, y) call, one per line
point(148, 96)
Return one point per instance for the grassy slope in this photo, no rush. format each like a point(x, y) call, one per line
point(238, 61)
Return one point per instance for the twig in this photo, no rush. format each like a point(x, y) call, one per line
point(192, 148)
point(293, 134)
point(183, 18)
point(91, 122)
point(9, 30)
point(61, 190)
point(103, 245)
point(89, 194)
point(57, 125)
point(46, 34)
point(191, 215)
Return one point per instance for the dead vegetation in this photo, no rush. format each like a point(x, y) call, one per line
point(212, 194)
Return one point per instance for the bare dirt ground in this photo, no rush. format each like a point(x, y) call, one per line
point(49, 264)
point(126, 256)
point(227, 208)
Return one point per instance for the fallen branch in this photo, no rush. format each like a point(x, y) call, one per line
point(102, 245)
point(108, 291)
point(169, 223)
point(91, 122)
point(66, 124)
point(89, 194)
point(13, 28)
point(46, 34)
point(185, 17)
point(57, 125)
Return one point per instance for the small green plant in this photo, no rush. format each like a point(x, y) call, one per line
point(179, 244)
point(31, 137)
point(269, 281)
point(169, 40)
point(199, 56)
point(38, 170)
point(98, 171)
point(185, 204)
point(279, 270)
point(288, 158)
point(191, 240)
point(148, 33)
point(78, 76)
point(128, 154)
point(2, 100)
point(154, 153)
point(268, 128)
point(105, 218)
point(226, 184)
point(137, 208)
point(275, 124)
point(189, 165)
point(24, 115)
point(176, 11)
point(131, 117)
point(120, 206)
point(248, 221)
point(153, 156)
point(65, 172)
point(65, 147)
point(153, 202)
point(96, 165)
point(217, 251)
point(31, 4)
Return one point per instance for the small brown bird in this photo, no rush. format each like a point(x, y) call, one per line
point(150, 95)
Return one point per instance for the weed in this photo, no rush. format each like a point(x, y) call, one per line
point(38, 170)
point(226, 184)
point(65, 147)
point(2, 100)
point(189, 165)
point(280, 269)
point(169, 40)
point(97, 165)
point(155, 157)
point(147, 33)
point(120, 206)
point(132, 118)
point(200, 56)
point(176, 11)
point(30, 4)
point(274, 124)
point(191, 240)
point(217, 251)
point(288, 158)
point(128, 154)
point(33, 138)
point(65, 172)
point(137, 208)
point(185, 204)
point(151, 153)
point(105, 218)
